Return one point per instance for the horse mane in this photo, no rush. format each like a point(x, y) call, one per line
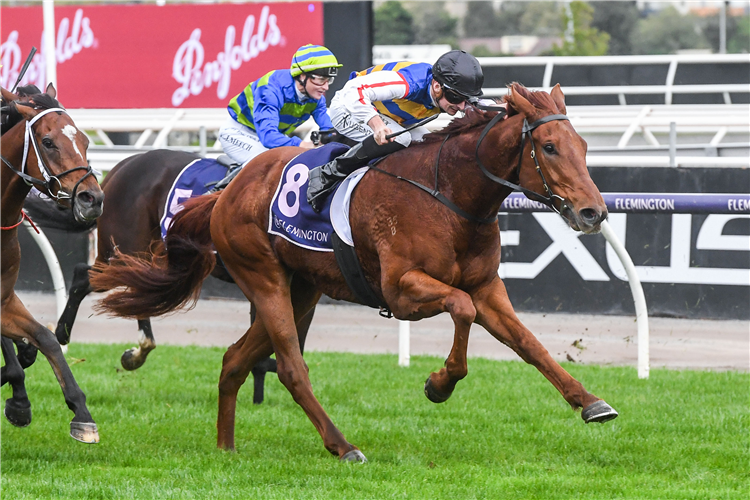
point(474, 117)
point(44, 101)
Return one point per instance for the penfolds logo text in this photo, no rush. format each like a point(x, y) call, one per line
point(193, 75)
point(71, 39)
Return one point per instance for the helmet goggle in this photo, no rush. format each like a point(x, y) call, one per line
point(453, 97)
point(322, 76)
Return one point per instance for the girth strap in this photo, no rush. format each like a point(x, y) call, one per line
point(348, 262)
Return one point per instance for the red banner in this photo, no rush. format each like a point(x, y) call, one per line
point(149, 56)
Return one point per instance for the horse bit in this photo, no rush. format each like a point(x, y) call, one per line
point(49, 179)
point(525, 131)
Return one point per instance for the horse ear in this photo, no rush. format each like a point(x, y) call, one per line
point(8, 96)
point(559, 98)
point(27, 112)
point(520, 103)
point(51, 90)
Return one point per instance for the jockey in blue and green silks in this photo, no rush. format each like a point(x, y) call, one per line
point(266, 113)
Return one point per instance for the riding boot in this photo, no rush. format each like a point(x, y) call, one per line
point(323, 179)
point(225, 181)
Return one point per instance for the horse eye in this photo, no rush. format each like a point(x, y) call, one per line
point(48, 143)
point(549, 148)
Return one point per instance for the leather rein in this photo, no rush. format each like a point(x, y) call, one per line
point(527, 130)
point(49, 179)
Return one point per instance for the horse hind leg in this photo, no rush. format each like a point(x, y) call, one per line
point(17, 407)
point(260, 369)
point(79, 289)
point(269, 364)
point(133, 358)
point(236, 365)
point(496, 314)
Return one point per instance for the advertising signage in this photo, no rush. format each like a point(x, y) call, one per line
point(150, 56)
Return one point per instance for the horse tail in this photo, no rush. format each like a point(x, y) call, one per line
point(171, 278)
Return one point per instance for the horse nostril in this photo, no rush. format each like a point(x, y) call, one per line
point(85, 199)
point(590, 216)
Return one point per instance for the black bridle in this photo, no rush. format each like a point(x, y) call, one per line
point(49, 179)
point(525, 131)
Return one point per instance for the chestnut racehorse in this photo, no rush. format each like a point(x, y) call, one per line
point(419, 257)
point(45, 150)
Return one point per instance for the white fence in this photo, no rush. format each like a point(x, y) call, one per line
point(714, 123)
point(668, 88)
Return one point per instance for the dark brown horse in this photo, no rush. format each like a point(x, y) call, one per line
point(419, 257)
point(45, 150)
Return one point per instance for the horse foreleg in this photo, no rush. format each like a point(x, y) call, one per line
point(18, 407)
point(496, 314)
point(79, 288)
point(19, 325)
point(134, 357)
point(419, 296)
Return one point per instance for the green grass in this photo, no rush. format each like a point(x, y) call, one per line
point(505, 433)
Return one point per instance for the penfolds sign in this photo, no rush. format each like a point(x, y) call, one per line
point(150, 56)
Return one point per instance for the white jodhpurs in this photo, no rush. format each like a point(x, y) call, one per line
point(347, 125)
point(239, 142)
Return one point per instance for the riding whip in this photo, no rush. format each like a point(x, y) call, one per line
point(24, 68)
point(412, 127)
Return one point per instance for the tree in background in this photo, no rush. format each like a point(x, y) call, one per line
point(481, 21)
point(740, 42)
point(394, 25)
point(618, 19)
point(434, 24)
point(667, 32)
point(736, 31)
point(541, 19)
point(509, 17)
point(586, 41)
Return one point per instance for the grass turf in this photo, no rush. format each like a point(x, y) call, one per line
point(505, 433)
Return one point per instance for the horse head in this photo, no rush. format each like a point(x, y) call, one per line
point(54, 155)
point(553, 161)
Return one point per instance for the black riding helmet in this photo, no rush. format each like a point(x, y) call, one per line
point(460, 72)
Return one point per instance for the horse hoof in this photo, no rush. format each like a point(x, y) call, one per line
point(433, 394)
point(354, 456)
point(85, 432)
point(130, 361)
point(16, 414)
point(62, 334)
point(598, 411)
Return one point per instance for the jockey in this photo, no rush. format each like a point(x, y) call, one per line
point(388, 98)
point(264, 115)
